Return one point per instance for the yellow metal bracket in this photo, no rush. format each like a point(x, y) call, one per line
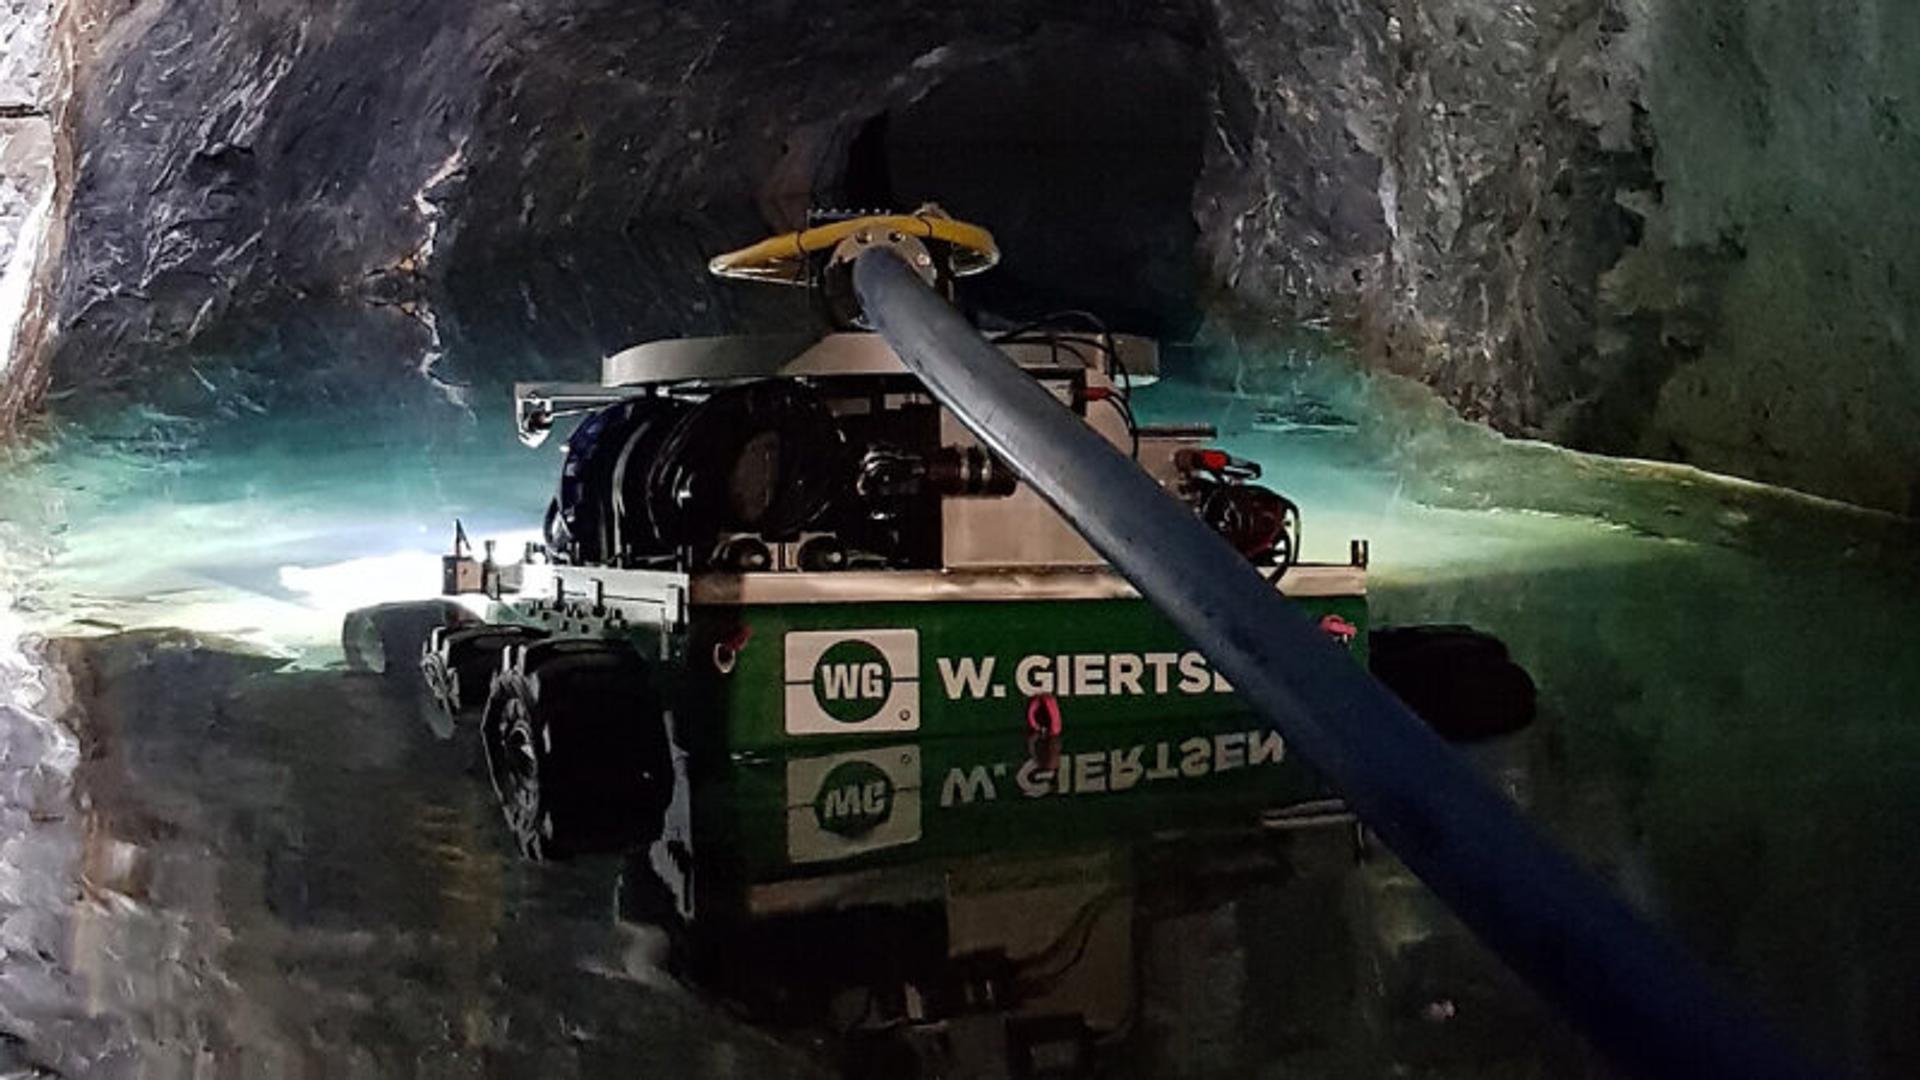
point(783, 259)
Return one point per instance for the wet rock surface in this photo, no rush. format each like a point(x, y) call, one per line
point(274, 873)
point(1634, 228)
point(266, 871)
point(1446, 179)
point(480, 192)
point(235, 865)
point(37, 885)
point(1623, 227)
point(29, 225)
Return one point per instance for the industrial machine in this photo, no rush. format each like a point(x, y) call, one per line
point(851, 559)
point(768, 549)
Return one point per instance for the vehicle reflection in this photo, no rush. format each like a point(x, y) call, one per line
point(1164, 902)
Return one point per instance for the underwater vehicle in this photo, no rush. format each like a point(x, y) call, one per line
point(772, 547)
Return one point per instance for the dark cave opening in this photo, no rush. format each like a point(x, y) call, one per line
point(1081, 158)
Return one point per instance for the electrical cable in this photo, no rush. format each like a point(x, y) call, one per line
point(1031, 333)
point(1133, 426)
point(1079, 932)
point(1098, 325)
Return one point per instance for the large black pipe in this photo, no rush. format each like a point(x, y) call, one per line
point(1635, 993)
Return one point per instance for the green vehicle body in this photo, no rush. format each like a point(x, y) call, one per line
point(772, 679)
point(908, 800)
point(991, 625)
point(810, 673)
point(822, 735)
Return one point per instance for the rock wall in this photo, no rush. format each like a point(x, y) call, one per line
point(325, 200)
point(1789, 144)
point(29, 153)
point(1667, 230)
point(1652, 229)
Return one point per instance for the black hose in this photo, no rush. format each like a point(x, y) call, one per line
point(1640, 998)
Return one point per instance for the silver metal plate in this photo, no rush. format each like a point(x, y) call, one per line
point(719, 359)
point(1038, 583)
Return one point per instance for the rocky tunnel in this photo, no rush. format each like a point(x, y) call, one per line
point(1447, 271)
point(1581, 220)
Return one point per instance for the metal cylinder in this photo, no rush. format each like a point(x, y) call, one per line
point(969, 471)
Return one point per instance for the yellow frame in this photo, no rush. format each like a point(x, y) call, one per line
point(783, 259)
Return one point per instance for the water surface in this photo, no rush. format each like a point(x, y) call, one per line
point(234, 852)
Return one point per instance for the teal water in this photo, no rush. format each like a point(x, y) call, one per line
point(1729, 673)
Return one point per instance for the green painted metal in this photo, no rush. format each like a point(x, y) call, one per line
point(809, 674)
point(890, 804)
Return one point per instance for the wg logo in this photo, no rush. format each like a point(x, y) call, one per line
point(842, 805)
point(855, 799)
point(852, 682)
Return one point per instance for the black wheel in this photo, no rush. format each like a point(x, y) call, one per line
point(577, 748)
point(1285, 553)
point(1459, 680)
point(457, 665)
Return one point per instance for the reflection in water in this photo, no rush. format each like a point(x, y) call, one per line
point(287, 876)
point(278, 870)
point(286, 873)
point(1217, 923)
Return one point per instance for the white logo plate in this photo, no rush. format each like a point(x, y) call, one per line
point(852, 682)
point(844, 805)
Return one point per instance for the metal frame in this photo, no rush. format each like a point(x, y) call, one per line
point(720, 359)
point(598, 586)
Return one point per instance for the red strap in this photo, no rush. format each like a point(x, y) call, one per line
point(1043, 715)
